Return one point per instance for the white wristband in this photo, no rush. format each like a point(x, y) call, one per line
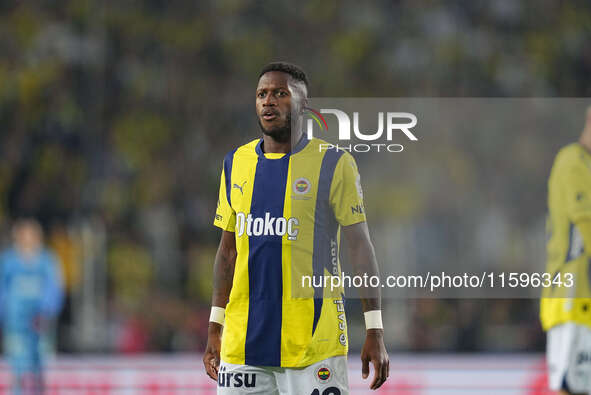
point(373, 319)
point(218, 315)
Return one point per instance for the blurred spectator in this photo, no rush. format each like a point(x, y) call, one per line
point(30, 297)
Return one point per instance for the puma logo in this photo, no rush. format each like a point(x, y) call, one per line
point(240, 187)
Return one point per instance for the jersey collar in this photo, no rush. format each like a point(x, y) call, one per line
point(297, 148)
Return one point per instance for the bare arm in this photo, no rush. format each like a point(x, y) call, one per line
point(223, 269)
point(223, 275)
point(363, 260)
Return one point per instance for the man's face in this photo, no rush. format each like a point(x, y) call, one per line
point(273, 105)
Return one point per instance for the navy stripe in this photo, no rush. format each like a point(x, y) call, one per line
point(258, 149)
point(301, 144)
point(228, 174)
point(265, 275)
point(564, 385)
point(325, 227)
point(571, 253)
point(570, 242)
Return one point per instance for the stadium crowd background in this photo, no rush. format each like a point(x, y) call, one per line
point(115, 117)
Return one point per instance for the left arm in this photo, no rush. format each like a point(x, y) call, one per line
point(363, 260)
point(346, 199)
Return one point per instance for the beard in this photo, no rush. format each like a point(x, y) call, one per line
point(281, 134)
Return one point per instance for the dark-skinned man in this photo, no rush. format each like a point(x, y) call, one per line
point(282, 203)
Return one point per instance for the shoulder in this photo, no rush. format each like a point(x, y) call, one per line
point(49, 256)
point(569, 154)
point(7, 260)
point(329, 151)
point(244, 150)
point(241, 152)
point(570, 157)
point(336, 164)
point(6, 255)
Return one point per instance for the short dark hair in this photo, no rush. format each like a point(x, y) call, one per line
point(295, 71)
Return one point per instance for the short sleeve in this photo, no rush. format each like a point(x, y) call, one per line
point(346, 195)
point(577, 187)
point(225, 216)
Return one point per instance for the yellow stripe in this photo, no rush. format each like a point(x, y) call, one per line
point(297, 313)
point(297, 347)
point(234, 337)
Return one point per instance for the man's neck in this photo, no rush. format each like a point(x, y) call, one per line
point(271, 146)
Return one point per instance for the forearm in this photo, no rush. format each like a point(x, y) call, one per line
point(223, 275)
point(363, 261)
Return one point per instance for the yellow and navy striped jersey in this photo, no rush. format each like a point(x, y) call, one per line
point(569, 203)
point(285, 211)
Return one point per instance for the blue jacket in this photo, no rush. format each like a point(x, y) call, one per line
point(29, 289)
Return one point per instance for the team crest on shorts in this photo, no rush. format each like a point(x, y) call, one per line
point(323, 374)
point(301, 186)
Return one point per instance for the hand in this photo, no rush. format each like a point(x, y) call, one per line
point(374, 351)
point(211, 359)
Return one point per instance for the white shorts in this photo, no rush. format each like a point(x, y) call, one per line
point(569, 358)
point(327, 377)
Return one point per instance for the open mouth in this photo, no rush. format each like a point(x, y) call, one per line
point(269, 115)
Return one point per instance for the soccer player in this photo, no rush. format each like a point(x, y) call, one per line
point(30, 296)
point(280, 209)
point(566, 310)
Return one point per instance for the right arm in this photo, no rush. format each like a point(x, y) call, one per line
point(223, 274)
point(577, 186)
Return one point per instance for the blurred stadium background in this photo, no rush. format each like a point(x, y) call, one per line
point(115, 117)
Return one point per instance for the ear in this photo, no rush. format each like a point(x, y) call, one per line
point(304, 105)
